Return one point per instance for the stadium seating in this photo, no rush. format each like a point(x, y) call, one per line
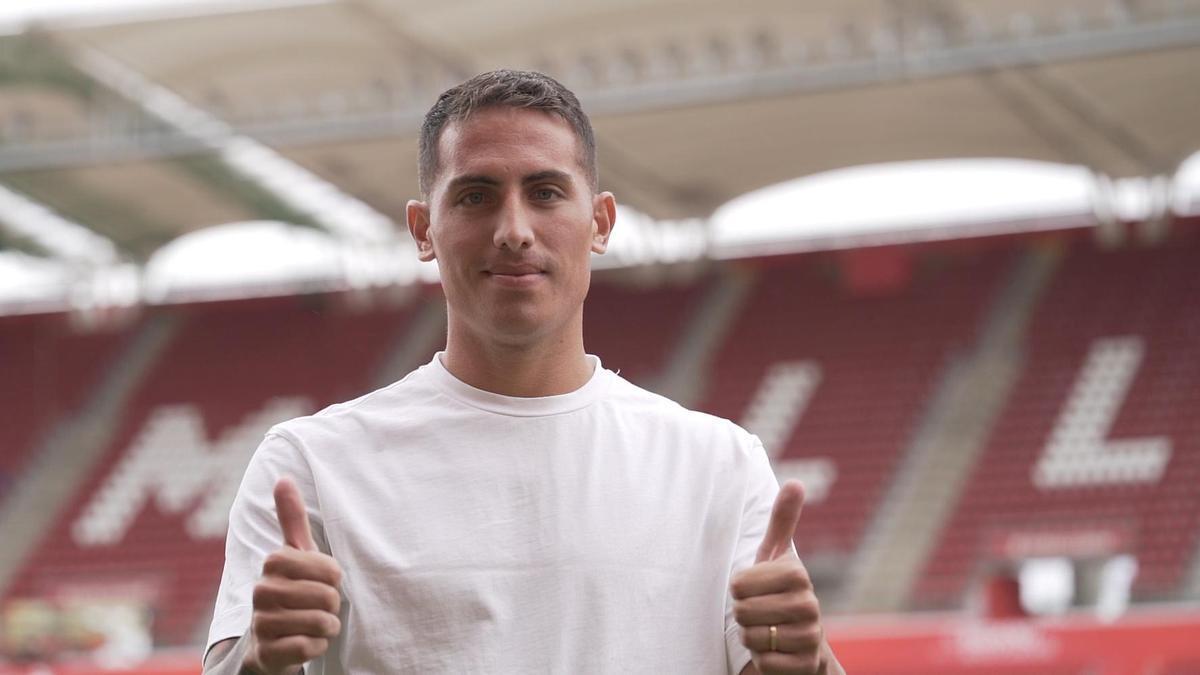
point(150, 521)
point(872, 362)
point(48, 370)
point(1098, 450)
point(634, 328)
point(850, 371)
point(232, 370)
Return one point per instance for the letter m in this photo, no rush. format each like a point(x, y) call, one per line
point(172, 462)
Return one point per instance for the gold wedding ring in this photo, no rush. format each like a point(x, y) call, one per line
point(774, 646)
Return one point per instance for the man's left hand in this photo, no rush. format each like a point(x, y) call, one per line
point(776, 596)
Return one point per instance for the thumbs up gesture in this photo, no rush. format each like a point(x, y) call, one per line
point(775, 603)
point(296, 600)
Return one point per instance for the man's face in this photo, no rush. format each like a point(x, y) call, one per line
point(512, 221)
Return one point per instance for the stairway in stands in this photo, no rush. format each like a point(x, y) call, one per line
point(956, 423)
point(835, 380)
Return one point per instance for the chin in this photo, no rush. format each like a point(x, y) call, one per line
point(517, 331)
point(519, 327)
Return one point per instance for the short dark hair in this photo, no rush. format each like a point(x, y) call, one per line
point(511, 88)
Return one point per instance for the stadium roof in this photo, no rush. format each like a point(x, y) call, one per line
point(171, 117)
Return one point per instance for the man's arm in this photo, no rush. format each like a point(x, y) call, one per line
point(279, 589)
point(295, 602)
point(775, 603)
point(226, 657)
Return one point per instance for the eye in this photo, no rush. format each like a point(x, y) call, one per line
point(545, 194)
point(473, 198)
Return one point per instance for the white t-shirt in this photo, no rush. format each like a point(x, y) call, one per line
point(592, 532)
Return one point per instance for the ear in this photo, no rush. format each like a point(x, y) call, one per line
point(417, 213)
point(604, 217)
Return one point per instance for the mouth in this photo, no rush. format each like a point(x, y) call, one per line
point(517, 277)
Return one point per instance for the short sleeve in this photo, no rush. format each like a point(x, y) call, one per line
point(254, 531)
point(761, 487)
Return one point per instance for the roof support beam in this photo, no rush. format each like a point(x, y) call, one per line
point(699, 87)
point(291, 183)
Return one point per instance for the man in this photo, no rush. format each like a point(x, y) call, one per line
point(512, 507)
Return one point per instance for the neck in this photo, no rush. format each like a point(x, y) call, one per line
point(545, 367)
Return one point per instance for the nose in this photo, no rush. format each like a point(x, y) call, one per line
point(514, 230)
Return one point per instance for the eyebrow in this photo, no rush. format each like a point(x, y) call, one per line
point(548, 175)
point(538, 177)
point(471, 179)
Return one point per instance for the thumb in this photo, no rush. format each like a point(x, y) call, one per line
point(785, 516)
point(293, 519)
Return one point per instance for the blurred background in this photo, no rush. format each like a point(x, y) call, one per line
point(943, 256)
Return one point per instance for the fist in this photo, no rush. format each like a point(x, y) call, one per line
point(774, 601)
point(296, 600)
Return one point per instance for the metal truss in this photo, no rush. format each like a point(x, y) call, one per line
point(662, 76)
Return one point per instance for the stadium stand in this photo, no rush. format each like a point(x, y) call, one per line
point(955, 408)
point(848, 370)
point(150, 521)
point(1097, 451)
point(49, 366)
point(855, 367)
point(633, 328)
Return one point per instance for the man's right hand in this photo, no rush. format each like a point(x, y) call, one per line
point(296, 601)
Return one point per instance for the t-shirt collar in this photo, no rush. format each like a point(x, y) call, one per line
point(518, 406)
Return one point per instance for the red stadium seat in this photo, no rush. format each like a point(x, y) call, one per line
point(154, 526)
point(1098, 448)
point(872, 364)
point(49, 368)
point(633, 329)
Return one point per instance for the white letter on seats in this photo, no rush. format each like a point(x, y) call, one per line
point(773, 415)
point(1077, 454)
point(172, 460)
